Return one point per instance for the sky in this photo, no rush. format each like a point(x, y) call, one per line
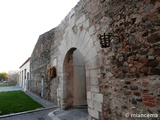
point(21, 23)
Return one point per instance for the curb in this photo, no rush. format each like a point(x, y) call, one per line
point(25, 112)
point(52, 115)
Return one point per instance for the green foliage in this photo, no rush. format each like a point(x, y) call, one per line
point(3, 76)
point(16, 101)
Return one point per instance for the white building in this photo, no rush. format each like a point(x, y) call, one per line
point(24, 74)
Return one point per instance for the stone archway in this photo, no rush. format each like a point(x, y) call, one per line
point(85, 44)
point(75, 79)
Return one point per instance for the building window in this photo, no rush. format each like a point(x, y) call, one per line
point(27, 75)
point(22, 74)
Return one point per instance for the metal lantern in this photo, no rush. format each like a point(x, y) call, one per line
point(105, 40)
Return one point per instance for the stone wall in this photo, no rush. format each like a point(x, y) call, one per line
point(131, 68)
point(40, 63)
point(46, 49)
point(122, 78)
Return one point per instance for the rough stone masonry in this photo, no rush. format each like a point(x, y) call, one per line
point(122, 78)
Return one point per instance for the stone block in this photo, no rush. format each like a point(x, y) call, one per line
point(83, 18)
point(93, 63)
point(150, 104)
point(98, 46)
point(154, 38)
point(134, 87)
point(156, 52)
point(89, 96)
point(148, 7)
point(156, 70)
point(92, 30)
point(93, 73)
point(92, 53)
point(152, 63)
point(80, 20)
point(81, 38)
point(97, 106)
point(93, 113)
point(94, 81)
point(58, 93)
point(74, 41)
point(88, 84)
point(66, 34)
point(72, 20)
point(60, 70)
point(75, 29)
point(151, 57)
point(95, 89)
point(85, 40)
point(127, 92)
point(90, 103)
point(109, 74)
point(63, 48)
point(86, 24)
point(97, 97)
point(87, 47)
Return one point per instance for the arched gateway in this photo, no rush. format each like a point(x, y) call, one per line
point(78, 72)
point(75, 78)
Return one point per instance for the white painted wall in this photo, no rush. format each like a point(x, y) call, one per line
point(22, 77)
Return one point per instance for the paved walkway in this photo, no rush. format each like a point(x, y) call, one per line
point(70, 114)
point(51, 114)
point(37, 115)
point(43, 102)
point(10, 88)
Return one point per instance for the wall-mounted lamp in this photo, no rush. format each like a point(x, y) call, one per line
point(105, 39)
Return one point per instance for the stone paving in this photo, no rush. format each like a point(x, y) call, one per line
point(72, 114)
point(43, 102)
point(51, 114)
point(38, 115)
point(10, 88)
